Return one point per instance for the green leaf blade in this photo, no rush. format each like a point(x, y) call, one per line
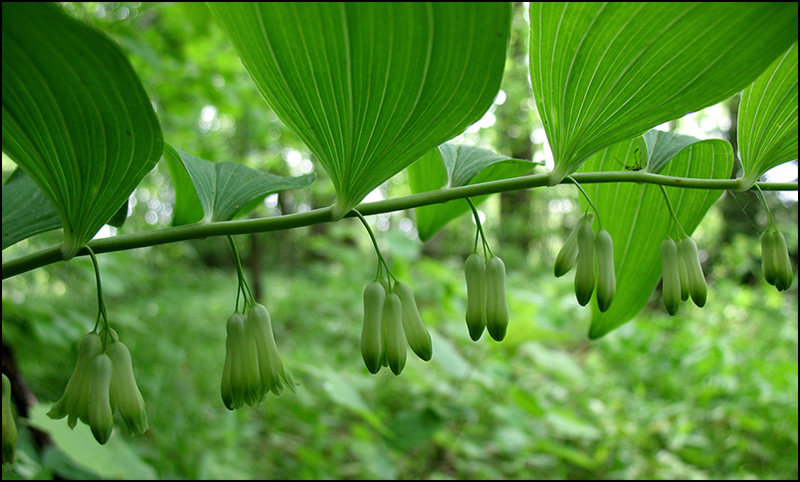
point(605, 72)
point(26, 209)
point(371, 87)
point(452, 165)
point(221, 191)
point(75, 117)
point(767, 126)
point(638, 220)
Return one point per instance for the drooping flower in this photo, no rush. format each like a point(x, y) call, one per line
point(101, 385)
point(125, 395)
point(253, 365)
point(274, 377)
point(75, 400)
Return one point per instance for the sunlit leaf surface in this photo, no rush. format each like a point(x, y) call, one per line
point(370, 87)
point(605, 72)
point(767, 126)
point(637, 217)
point(451, 165)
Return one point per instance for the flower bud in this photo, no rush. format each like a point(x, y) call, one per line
point(671, 284)
point(371, 342)
point(394, 342)
point(687, 250)
point(74, 402)
point(475, 273)
point(783, 265)
point(496, 300)
point(417, 335)
point(606, 276)
point(273, 374)
point(768, 267)
point(584, 272)
point(125, 394)
point(568, 253)
point(101, 418)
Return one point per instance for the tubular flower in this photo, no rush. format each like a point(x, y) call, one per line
point(75, 400)
point(101, 417)
point(274, 377)
point(417, 335)
point(125, 395)
point(101, 385)
point(253, 366)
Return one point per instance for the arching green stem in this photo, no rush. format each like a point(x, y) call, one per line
point(381, 261)
point(766, 207)
point(487, 251)
point(671, 210)
point(101, 307)
point(244, 289)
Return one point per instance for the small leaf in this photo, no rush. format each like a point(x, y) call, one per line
point(451, 165)
point(120, 216)
point(26, 210)
point(223, 190)
point(637, 217)
point(75, 117)
point(767, 126)
point(605, 72)
point(370, 87)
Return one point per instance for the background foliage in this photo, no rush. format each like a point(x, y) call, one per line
point(710, 393)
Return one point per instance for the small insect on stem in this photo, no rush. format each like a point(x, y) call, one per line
point(635, 167)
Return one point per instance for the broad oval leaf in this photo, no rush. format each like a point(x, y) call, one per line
point(370, 87)
point(638, 220)
point(767, 125)
point(605, 72)
point(26, 210)
point(75, 117)
point(209, 192)
point(452, 165)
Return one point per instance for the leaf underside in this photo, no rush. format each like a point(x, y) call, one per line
point(637, 218)
point(75, 117)
point(767, 124)
point(605, 72)
point(371, 87)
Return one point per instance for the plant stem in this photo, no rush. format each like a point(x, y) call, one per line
point(486, 248)
point(381, 260)
point(249, 299)
point(766, 207)
point(317, 216)
point(672, 211)
point(589, 200)
point(101, 307)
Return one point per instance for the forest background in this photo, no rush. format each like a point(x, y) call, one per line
point(709, 393)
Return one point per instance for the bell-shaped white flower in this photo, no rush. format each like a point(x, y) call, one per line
point(274, 377)
point(125, 395)
point(75, 400)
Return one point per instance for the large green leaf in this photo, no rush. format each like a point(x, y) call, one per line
point(637, 217)
point(220, 191)
point(767, 126)
point(75, 117)
point(451, 165)
point(26, 210)
point(605, 72)
point(371, 87)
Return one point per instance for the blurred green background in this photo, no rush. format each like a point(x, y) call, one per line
point(709, 393)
